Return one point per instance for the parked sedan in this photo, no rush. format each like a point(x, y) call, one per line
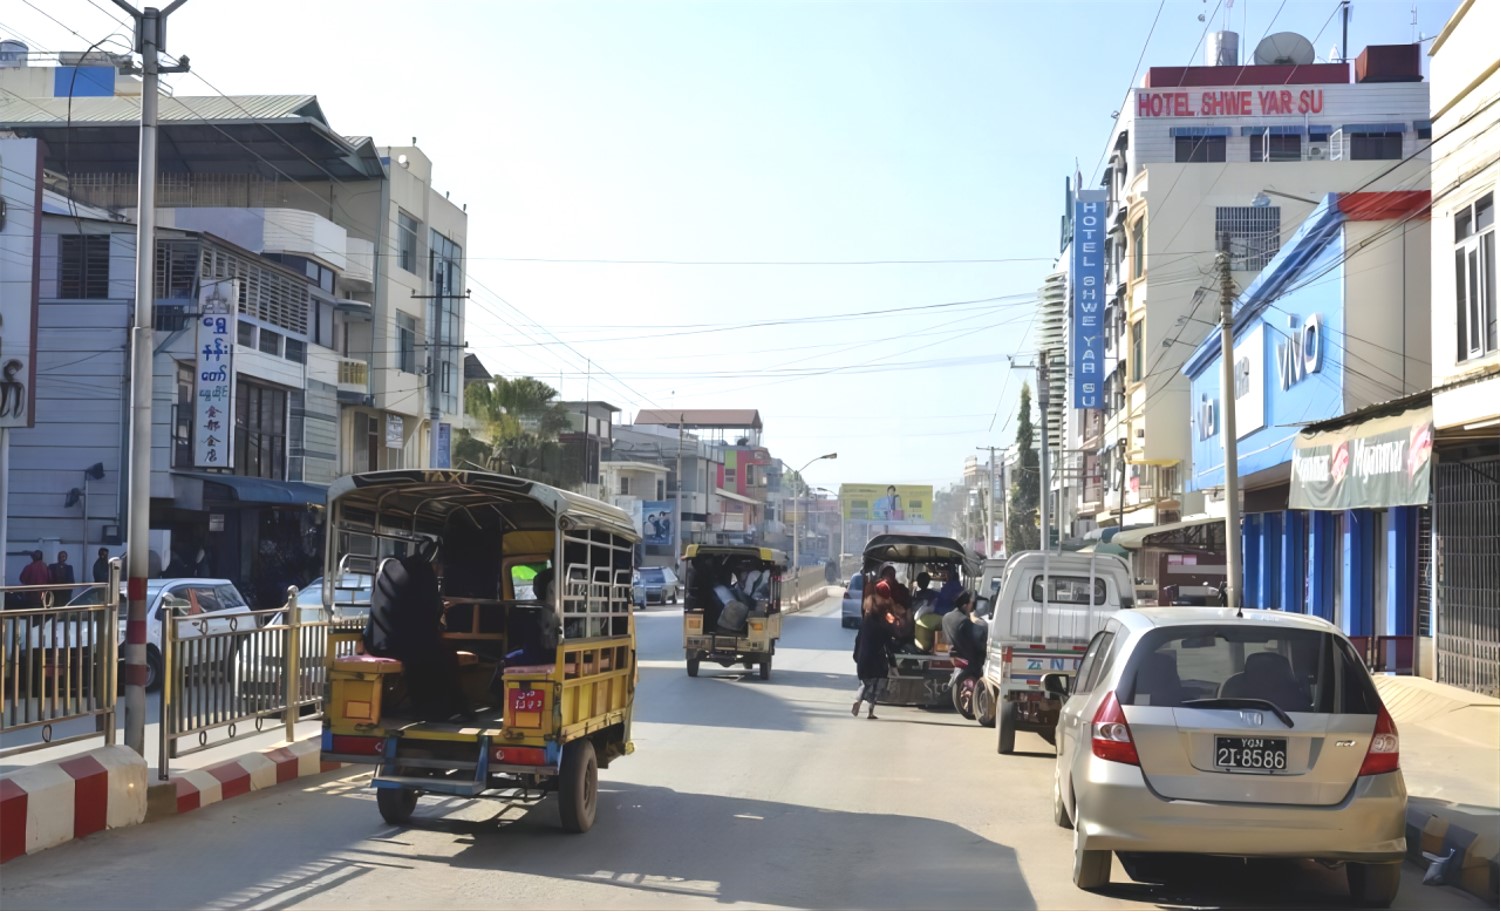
point(261, 661)
point(1210, 731)
point(661, 585)
point(854, 597)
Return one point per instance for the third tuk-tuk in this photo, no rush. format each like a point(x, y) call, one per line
point(732, 605)
point(922, 665)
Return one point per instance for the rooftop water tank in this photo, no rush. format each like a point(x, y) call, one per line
point(1223, 49)
point(13, 53)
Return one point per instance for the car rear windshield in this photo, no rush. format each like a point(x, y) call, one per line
point(1299, 670)
point(653, 575)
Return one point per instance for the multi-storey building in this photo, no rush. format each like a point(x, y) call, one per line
point(1210, 158)
point(349, 301)
point(1466, 350)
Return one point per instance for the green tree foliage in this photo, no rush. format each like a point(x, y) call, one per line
point(519, 422)
point(1021, 519)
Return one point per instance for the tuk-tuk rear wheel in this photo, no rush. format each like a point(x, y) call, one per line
point(693, 666)
point(766, 668)
point(578, 786)
point(396, 804)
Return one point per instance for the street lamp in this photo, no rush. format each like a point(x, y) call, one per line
point(93, 473)
point(795, 567)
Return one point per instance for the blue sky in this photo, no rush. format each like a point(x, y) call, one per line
point(788, 132)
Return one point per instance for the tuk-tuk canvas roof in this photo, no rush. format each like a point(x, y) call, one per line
point(920, 549)
point(421, 500)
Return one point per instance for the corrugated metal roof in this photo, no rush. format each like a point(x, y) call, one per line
point(126, 109)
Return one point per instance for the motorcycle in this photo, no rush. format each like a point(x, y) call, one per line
point(962, 685)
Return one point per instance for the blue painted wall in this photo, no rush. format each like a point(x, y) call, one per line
point(1318, 288)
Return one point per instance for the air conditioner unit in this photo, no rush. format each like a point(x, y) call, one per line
point(1318, 151)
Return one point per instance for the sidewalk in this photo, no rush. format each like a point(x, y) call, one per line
point(1451, 760)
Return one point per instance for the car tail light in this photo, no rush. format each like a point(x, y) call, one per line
point(526, 756)
point(1382, 755)
point(1111, 736)
point(1006, 655)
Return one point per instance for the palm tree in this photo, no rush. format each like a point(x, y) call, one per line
point(519, 422)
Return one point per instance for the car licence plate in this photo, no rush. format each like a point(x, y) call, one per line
point(1250, 753)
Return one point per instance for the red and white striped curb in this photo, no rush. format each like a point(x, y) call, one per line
point(51, 803)
point(251, 772)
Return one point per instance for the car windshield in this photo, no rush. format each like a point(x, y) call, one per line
point(653, 575)
point(1295, 669)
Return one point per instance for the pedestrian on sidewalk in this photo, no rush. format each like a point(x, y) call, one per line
point(101, 566)
point(35, 573)
point(872, 645)
point(62, 573)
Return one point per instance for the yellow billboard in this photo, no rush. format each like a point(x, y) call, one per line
point(887, 503)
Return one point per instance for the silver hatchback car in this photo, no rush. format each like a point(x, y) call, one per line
point(1207, 731)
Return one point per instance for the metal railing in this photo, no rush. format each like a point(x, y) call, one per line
point(59, 663)
point(225, 677)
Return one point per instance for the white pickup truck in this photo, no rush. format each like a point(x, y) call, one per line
point(1048, 607)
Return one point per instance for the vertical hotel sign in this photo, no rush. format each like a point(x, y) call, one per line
point(1087, 275)
point(214, 399)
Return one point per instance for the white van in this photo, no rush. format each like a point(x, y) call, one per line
point(1048, 607)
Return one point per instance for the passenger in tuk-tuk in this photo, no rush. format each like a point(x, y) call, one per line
point(965, 635)
point(924, 596)
point(406, 624)
point(533, 630)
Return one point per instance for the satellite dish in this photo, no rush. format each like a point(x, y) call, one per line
point(1284, 49)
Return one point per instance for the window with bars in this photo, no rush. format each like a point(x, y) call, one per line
point(1276, 148)
point(1475, 278)
point(1375, 146)
point(177, 269)
point(83, 266)
point(260, 430)
point(1199, 149)
point(1250, 234)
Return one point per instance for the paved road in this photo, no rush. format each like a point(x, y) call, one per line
point(741, 792)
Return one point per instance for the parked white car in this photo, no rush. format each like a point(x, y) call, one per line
point(199, 606)
point(260, 661)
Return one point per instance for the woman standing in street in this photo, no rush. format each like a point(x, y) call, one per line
point(871, 646)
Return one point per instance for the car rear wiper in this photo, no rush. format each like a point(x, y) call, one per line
point(1240, 703)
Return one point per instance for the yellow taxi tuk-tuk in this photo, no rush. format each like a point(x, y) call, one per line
point(500, 654)
point(732, 605)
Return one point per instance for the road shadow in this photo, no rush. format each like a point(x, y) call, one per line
point(719, 850)
point(1207, 882)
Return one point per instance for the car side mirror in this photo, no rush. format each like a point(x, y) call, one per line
point(1056, 684)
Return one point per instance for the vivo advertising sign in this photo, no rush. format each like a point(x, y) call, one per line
point(1087, 273)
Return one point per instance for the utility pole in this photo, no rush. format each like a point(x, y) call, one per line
point(677, 503)
point(150, 41)
point(989, 501)
point(1228, 432)
point(1044, 397)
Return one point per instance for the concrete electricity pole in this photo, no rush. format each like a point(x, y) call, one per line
point(1228, 432)
point(989, 503)
point(150, 41)
point(1044, 398)
point(804, 485)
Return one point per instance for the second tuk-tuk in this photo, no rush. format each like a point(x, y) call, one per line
point(521, 596)
point(922, 668)
point(732, 605)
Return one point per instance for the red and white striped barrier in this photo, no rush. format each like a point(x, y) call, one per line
point(248, 773)
point(51, 803)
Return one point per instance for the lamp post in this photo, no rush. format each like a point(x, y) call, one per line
point(795, 540)
point(93, 473)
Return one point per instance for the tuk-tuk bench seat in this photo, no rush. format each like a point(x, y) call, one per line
point(364, 663)
point(369, 664)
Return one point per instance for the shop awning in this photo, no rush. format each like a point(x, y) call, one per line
point(1165, 533)
point(737, 498)
point(247, 490)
